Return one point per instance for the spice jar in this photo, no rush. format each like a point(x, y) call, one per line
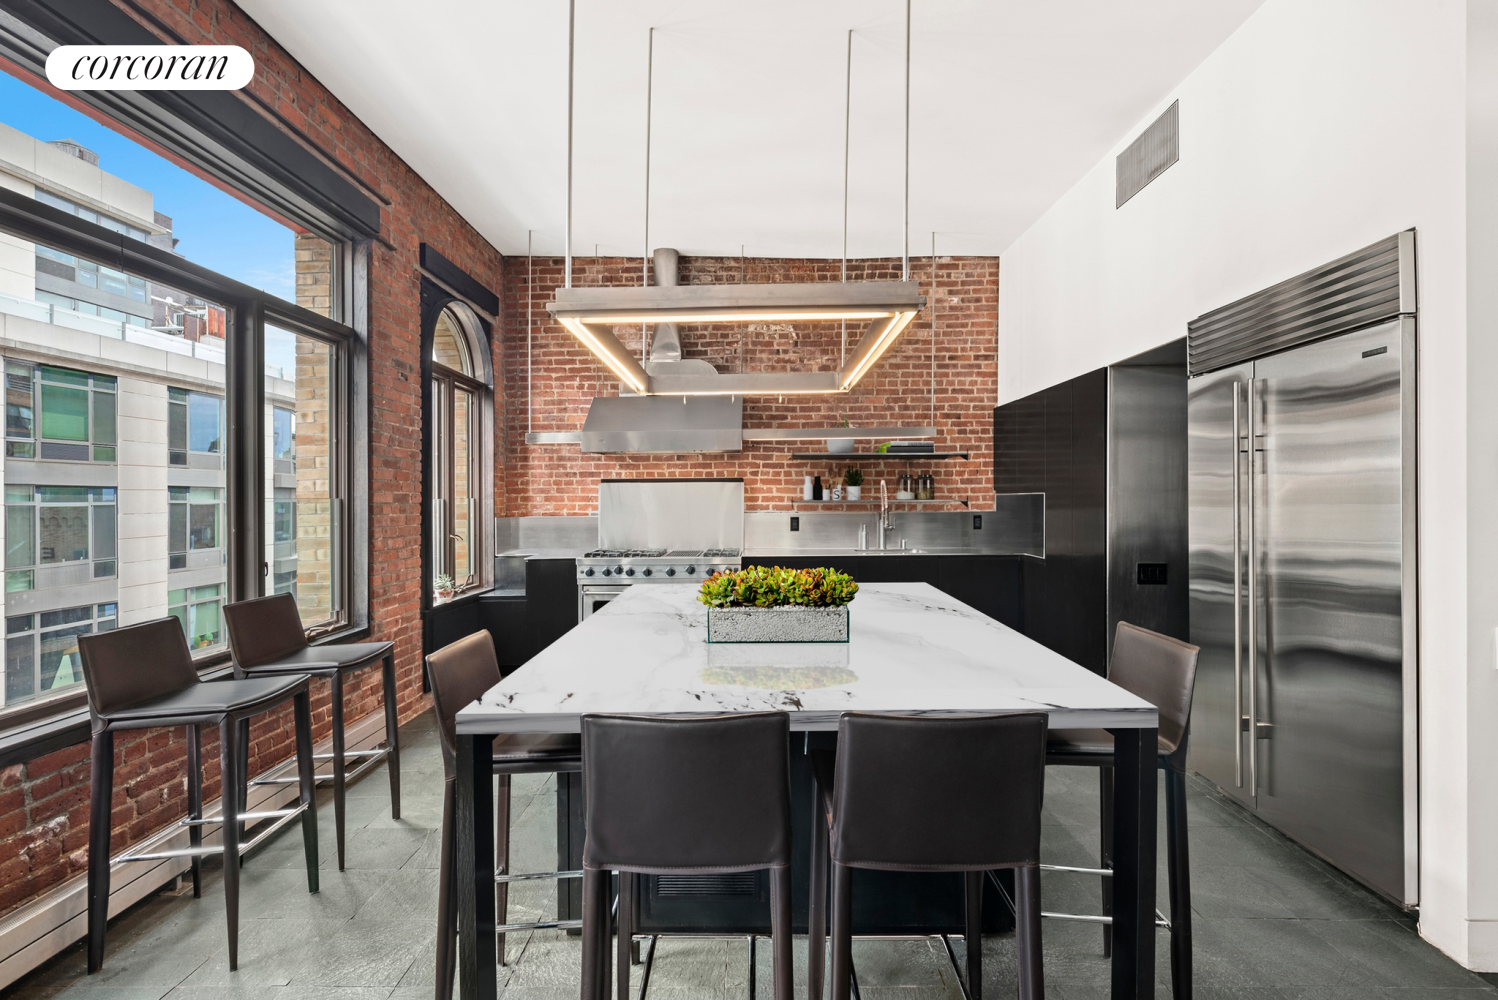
point(907, 486)
point(925, 488)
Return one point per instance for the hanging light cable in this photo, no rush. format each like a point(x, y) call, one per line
point(842, 358)
point(905, 265)
point(529, 287)
point(571, 33)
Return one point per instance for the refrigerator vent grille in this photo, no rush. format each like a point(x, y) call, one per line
point(1373, 285)
point(1149, 155)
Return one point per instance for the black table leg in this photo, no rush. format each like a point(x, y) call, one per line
point(1134, 864)
point(477, 957)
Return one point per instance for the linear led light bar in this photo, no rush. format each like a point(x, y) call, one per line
point(608, 349)
point(589, 312)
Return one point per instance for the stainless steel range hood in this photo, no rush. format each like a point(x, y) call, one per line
point(664, 424)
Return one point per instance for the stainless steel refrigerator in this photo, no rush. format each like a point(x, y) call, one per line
point(1301, 490)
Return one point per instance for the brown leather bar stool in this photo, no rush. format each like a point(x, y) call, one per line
point(460, 673)
point(931, 794)
point(670, 796)
point(142, 677)
point(267, 639)
point(1162, 671)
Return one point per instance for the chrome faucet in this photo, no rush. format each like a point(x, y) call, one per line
point(886, 517)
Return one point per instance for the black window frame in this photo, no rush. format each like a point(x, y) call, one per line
point(244, 528)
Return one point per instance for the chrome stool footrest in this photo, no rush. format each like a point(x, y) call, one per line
point(528, 876)
point(370, 759)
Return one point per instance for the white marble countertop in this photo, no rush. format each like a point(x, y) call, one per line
point(912, 650)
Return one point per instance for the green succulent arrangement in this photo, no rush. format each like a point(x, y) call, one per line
point(776, 586)
point(853, 477)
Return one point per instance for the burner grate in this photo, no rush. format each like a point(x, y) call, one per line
point(624, 553)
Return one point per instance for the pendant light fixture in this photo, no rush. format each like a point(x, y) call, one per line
point(589, 314)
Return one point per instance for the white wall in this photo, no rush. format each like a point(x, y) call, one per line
point(1319, 127)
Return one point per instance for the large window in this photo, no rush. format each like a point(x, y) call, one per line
point(59, 536)
point(124, 431)
point(58, 414)
point(199, 609)
point(194, 515)
point(41, 650)
point(457, 421)
point(195, 429)
point(305, 391)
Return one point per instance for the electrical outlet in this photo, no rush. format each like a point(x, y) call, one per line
point(977, 522)
point(795, 524)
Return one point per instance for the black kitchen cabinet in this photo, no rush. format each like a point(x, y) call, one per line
point(522, 626)
point(550, 602)
point(1056, 442)
point(989, 583)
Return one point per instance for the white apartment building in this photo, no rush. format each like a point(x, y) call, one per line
point(113, 464)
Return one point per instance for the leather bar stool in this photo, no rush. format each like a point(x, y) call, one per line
point(267, 639)
point(142, 677)
point(931, 794)
point(1162, 671)
point(460, 673)
point(682, 796)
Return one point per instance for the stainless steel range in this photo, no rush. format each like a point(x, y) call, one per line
point(660, 531)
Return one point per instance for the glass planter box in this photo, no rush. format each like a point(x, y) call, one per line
point(788, 623)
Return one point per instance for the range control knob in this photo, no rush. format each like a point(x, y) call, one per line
point(671, 571)
point(629, 572)
point(588, 572)
point(607, 573)
point(646, 571)
point(618, 570)
point(692, 570)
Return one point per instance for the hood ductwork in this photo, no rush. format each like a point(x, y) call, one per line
point(665, 342)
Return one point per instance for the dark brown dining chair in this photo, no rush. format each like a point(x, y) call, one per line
point(267, 639)
point(1162, 671)
point(682, 796)
point(143, 677)
point(931, 794)
point(460, 673)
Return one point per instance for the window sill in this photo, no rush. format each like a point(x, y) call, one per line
point(457, 600)
point(346, 634)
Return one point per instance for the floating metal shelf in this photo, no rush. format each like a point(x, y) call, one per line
point(875, 503)
point(908, 456)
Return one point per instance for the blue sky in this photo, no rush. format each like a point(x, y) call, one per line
point(216, 230)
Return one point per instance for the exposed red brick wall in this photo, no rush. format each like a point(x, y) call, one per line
point(559, 479)
point(44, 802)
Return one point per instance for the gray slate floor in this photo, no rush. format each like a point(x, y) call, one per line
point(1271, 921)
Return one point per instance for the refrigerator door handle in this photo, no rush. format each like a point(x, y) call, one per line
point(1251, 723)
point(1238, 449)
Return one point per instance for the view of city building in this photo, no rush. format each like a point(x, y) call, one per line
point(114, 427)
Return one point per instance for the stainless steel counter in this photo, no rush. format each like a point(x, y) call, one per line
point(1016, 527)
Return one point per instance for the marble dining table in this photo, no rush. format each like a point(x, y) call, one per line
point(912, 650)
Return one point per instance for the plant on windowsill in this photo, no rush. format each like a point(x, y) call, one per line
point(775, 604)
point(854, 478)
point(444, 587)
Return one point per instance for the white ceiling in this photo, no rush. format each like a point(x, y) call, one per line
point(1011, 102)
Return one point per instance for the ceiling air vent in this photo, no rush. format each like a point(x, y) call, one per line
point(1149, 155)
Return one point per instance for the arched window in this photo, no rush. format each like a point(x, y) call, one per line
point(459, 400)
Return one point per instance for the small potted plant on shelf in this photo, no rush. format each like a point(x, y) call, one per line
point(841, 445)
point(854, 478)
point(444, 587)
point(775, 604)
